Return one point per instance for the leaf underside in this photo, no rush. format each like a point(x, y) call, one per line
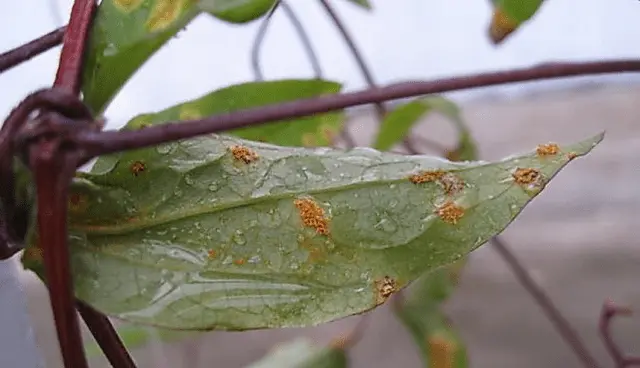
point(188, 235)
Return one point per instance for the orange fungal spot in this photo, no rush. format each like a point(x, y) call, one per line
point(425, 177)
point(137, 167)
point(527, 176)
point(312, 215)
point(547, 149)
point(212, 254)
point(165, 13)
point(571, 155)
point(442, 351)
point(244, 154)
point(384, 288)
point(239, 261)
point(127, 5)
point(450, 212)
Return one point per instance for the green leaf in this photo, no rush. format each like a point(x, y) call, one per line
point(301, 353)
point(509, 15)
point(316, 130)
point(236, 11)
point(363, 3)
point(217, 232)
point(398, 123)
point(421, 314)
point(125, 33)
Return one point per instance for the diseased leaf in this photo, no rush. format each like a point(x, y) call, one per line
point(509, 15)
point(301, 353)
point(216, 232)
point(316, 130)
point(124, 34)
point(236, 11)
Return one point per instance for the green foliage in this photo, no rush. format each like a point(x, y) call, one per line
point(126, 33)
point(363, 3)
point(509, 15)
point(399, 122)
point(218, 232)
point(301, 353)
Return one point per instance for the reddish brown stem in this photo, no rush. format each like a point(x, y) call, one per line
point(29, 50)
point(70, 67)
point(550, 310)
point(112, 141)
point(52, 174)
point(106, 336)
point(609, 311)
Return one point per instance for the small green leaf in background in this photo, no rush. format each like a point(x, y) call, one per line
point(509, 15)
point(126, 33)
point(302, 353)
point(216, 232)
point(316, 130)
point(398, 123)
point(236, 11)
point(363, 3)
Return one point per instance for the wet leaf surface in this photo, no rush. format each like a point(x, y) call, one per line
point(221, 233)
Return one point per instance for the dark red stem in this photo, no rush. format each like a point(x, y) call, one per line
point(70, 66)
point(115, 141)
point(29, 50)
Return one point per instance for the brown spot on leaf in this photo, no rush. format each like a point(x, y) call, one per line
point(242, 153)
point(77, 202)
point(547, 149)
point(384, 288)
point(441, 351)
point(239, 261)
point(450, 212)
point(451, 183)
point(571, 155)
point(127, 5)
point(312, 215)
point(137, 167)
point(501, 26)
point(165, 13)
point(425, 177)
point(212, 254)
point(526, 176)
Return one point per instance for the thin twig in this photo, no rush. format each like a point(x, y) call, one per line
point(561, 324)
point(75, 36)
point(609, 311)
point(381, 111)
point(99, 143)
point(299, 28)
point(106, 336)
point(29, 50)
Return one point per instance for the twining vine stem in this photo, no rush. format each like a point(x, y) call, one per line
point(29, 50)
point(98, 143)
point(610, 310)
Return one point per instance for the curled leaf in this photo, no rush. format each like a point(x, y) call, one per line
point(201, 239)
point(509, 15)
point(236, 11)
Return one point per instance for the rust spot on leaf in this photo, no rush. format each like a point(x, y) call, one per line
point(425, 177)
point(451, 183)
point(165, 13)
point(137, 167)
point(239, 261)
point(571, 155)
point(384, 288)
point(312, 215)
point(212, 254)
point(127, 6)
point(244, 154)
point(527, 176)
point(441, 351)
point(77, 202)
point(547, 149)
point(450, 212)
